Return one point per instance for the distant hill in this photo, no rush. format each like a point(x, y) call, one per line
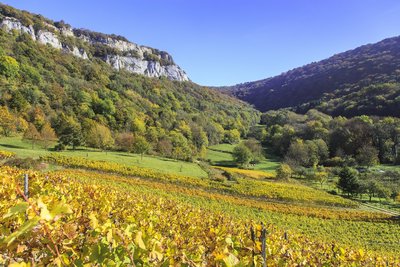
point(360, 81)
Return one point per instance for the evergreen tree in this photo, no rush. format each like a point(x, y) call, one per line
point(348, 180)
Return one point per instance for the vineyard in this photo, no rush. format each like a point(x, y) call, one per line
point(80, 217)
point(6, 155)
point(270, 190)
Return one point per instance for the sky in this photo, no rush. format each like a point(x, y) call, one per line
point(225, 42)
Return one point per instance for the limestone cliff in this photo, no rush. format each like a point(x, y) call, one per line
point(115, 50)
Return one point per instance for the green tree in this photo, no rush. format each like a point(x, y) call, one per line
point(298, 154)
point(70, 133)
point(9, 67)
point(141, 146)
point(367, 155)
point(283, 172)
point(199, 137)
point(256, 149)
point(348, 181)
point(370, 187)
point(242, 155)
point(215, 133)
point(232, 136)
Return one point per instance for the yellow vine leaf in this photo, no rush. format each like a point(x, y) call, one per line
point(139, 241)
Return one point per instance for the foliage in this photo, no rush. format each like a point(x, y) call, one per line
point(124, 141)
point(47, 135)
point(69, 132)
point(232, 136)
point(242, 186)
point(348, 180)
point(32, 134)
point(255, 148)
point(242, 155)
point(367, 156)
point(99, 136)
point(6, 155)
point(256, 174)
point(7, 121)
point(72, 221)
point(284, 172)
point(316, 138)
point(140, 145)
point(9, 67)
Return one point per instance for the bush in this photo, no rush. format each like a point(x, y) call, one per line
point(27, 163)
point(229, 175)
point(334, 162)
point(283, 172)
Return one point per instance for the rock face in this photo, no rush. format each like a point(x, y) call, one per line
point(50, 38)
point(120, 53)
point(148, 68)
point(14, 24)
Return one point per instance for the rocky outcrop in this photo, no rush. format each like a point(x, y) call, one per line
point(50, 38)
point(148, 68)
point(124, 54)
point(42, 36)
point(14, 24)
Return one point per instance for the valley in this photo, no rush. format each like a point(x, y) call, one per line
point(111, 156)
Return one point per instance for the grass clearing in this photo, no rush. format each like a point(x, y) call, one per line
point(24, 150)
point(221, 155)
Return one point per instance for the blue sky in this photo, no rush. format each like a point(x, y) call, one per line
point(224, 42)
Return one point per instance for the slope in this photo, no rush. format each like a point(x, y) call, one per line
point(359, 81)
point(82, 99)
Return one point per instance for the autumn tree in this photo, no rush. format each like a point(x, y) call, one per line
point(47, 135)
point(124, 141)
point(99, 136)
point(7, 121)
point(165, 147)
point(32, 135)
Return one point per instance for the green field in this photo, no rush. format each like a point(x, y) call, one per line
point(24, 149)
point(221, 155)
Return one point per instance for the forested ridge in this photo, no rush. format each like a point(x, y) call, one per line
point(363, 81)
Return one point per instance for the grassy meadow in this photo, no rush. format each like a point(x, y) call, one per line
point(24, 150)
